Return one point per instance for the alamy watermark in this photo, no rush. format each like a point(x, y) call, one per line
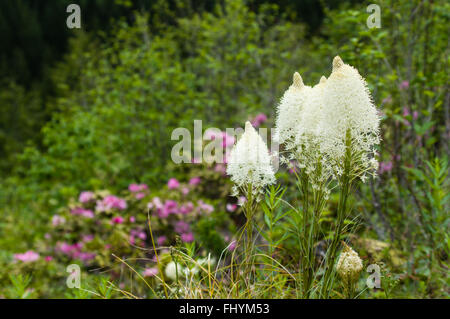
point(374, 20)
point(74, 278)
point(74, 19)
point(214, 145)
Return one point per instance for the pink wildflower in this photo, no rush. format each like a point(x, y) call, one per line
point(57, 220)
point(259, 119)
point(186, 208)
point(404, 85)
point(26, 257)
point(232, 245)
point(182, 227)
point(86, 197)
point(161, 240)
point(205, 207)
point(140, 195)
point(231, 207)
point(173, 183)
point(385, 167)
point(118, 220)
point(137, 187)
point(82, 212)
point(110, 202)
point(194, 181)
point(150, 272)
point(187, 237)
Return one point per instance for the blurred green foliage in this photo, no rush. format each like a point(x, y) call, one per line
point(116, 96)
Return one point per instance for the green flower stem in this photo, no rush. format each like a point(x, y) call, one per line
point(345, 187)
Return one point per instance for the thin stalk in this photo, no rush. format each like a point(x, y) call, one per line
point(345, 187)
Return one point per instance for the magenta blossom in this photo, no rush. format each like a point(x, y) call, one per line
point(182, 227)
point(26, 257)
point(84, 256)
point(117, 220)
point(186, 208)
point(404, 85)
point(150, 272)
point(242, 200)
point(205, 207)
point(86, 197)
point(232, 245)
point(137, 187)
point(161, 240)
point(194, 181)
point(185, 191)
point(220, 168)
point(110, 202)
point(48, 258)
point(259, 119)
point(87, 238)
point(231, 207)
point(385, 167)
point(132, 219)
point(171, 207)
point(173, 183)
point(227, 140)
point(140, 195)
point(57, 220)
point(82, 212)
point(187, 237)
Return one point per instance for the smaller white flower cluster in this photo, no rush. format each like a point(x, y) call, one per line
point(319, 125)
point(349, 265)
point(249, 164)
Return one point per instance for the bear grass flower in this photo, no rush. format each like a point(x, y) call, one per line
point(348, 267)
point(350, 122)
point(249, 164)
point(290, 110)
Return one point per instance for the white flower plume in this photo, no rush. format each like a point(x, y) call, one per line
point(290, 110)
point(249, 162)
point(349, 264)
point(348, 112)
point(306, 149)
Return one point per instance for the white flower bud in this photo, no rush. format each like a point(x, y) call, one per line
point(249, 162)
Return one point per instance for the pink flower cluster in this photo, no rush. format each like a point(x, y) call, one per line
point(137, 233)
point(82, 212)
point(111, 202)
point(173, 183)
point(194, 181)
point(139, 189)
point(259, 119)
point(58, 220)
point(404, 85)
point(385, 167)
point(74, 251)
point(172, 207)
point(134, 188)
point(86, 197)
point(117, 220)
point(150, 272)
point(206, 208)
point(26, 257)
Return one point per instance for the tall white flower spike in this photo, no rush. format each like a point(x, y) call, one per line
point(290, 110)
point(348, 113)
point(308, 137)
point(249, 162)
